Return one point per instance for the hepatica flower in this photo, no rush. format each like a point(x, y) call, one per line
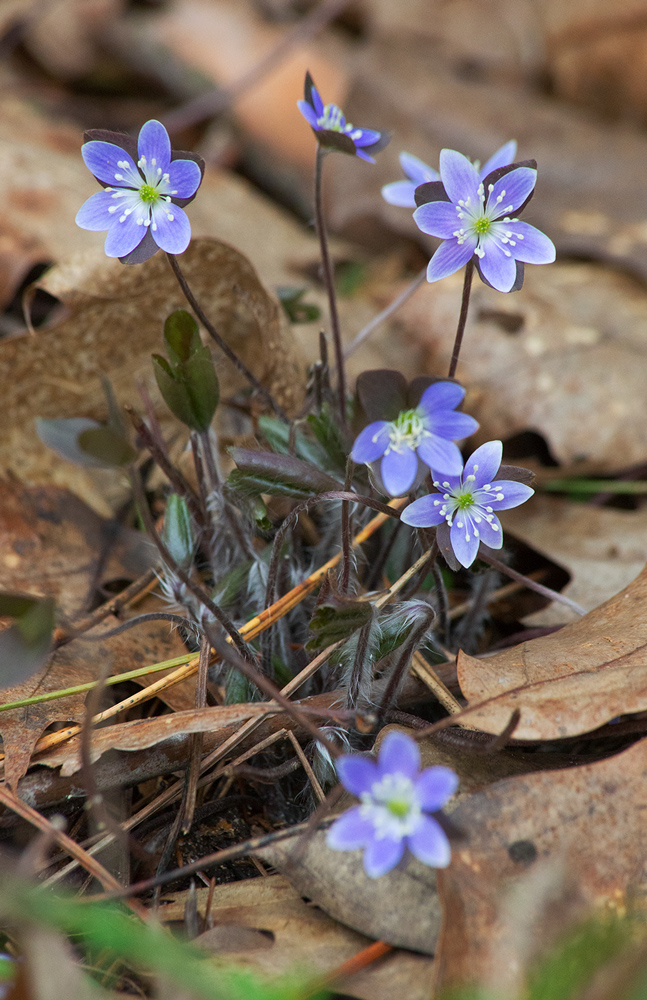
point(427, 432)
point(145, 184)
point(475, 218)
point(331, 129)
point(396, 797)
point(465, 506)
point(402, 193)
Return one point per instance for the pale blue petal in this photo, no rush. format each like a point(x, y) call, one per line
point(381, 856)
point(400, 193)
point(459, 176)
point(399, 754)
point(452, 426)
point(155, 145)
point(497, 267)
point(435, 786)
point(364, 156)
point(111, 164)
point(170, 227)
point(513, 494)
point(425, 512)
point(398, 471)
point(371, 443)
point(184, 178)
point(441, 455)
point(309, 115)
point(502, 158)
point(128, 229)
point(416, 170)
point(464, 542)
point(533, 247)
point(437, 218)
point(357, 773)
point(450, 257)
point(350, 832)
point(491, 532)
point(513, 188)
point(442, 396)
point(429, 844)
point(448, 483)
point(94, 214)
point(484, 463)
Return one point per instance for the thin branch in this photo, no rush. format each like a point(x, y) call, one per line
point(386, 313)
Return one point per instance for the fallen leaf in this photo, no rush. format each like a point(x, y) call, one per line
point(560, 358)
point(264, 924)
point(603, 549)
point(568, 682)
point(583, 827)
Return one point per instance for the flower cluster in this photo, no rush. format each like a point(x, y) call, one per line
point(473, 218)
point(396, 797)
point(140, 205)
point(466, 504)
point(426, 432)
point(333, 131)
point(402, 193)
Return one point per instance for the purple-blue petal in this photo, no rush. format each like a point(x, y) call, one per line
point(103, 159)
point(515, 188)
point(398, 470)
point(437, 218)
point(497, 266)
point(425, 512)
point(491, 532)
point(350, 832)
point(170, 227)
point(513, 494)
point(366, 137)
point(442, 456)
point(502, 158)
point(310, 116)
point(371, 443)
point(451, 425)
point(154, 144)
point(459, 176)
point(442, 396)
point(400, 193)
point(317, 102)
point(429, 844)
point(416, 170)
point(488, 459)
point(532, 247)
point(435, 787)
point(124, 236)
point(364, 156)
point(450, 257)
point(184, 178)
point(399, 754)
point(381, 855)
point(93, 213)
point(464, 542)
point(357, 773)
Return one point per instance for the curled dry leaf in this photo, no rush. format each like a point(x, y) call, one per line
point(266, 925)
point(573, 837)
point(568, 682)
point(561, 358)
point(57, 372)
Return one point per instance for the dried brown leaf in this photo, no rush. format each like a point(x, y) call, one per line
point(571, 840)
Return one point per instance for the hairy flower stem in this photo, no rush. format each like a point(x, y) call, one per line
point(210, 462)
point(222, 344)
point(404, 660)
point(329, 281)
point(358, 678)
point(346, 515)
point(462, 319)
point(442, 601)
point(196, 589)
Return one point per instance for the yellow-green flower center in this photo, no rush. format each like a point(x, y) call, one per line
point(408, 429)
point(148, 193)
point(464, 501)
point(482, 225)
point(398, 807)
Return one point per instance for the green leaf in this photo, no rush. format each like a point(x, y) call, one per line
point(277, 433)
point(107, 447)
point(177, 533)
point(62, 436)
point(26, 643)
point(279, 475)
point(199, 376)
point(337, 619)
point(327, 433)
point(297, 311)
point(181, 335)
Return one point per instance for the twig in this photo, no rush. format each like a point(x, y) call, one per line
point(138, 588)
point(381, 317)
point(531, 584)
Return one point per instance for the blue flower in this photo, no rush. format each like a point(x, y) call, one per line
point(473, 218)
point(402, 193)
point(395, 798)
point(140, 203)
point(333, 131)
point(466, 504)
point(427, 432)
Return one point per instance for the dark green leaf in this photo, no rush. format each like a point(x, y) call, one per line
point(107, 447)
point(181, 336)
point(174, 392)
point(199, 376)
point(280, 475)
point(277, 433)
point(177, 533)
point(297, 311)
point(327, 433)
point(337, 619)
